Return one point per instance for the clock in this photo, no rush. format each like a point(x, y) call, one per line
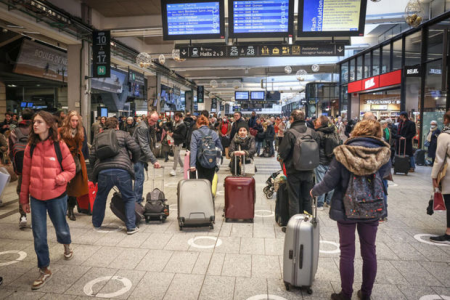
point(312, 109)
point(315, 68)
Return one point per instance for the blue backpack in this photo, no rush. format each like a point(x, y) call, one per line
point(207, 153)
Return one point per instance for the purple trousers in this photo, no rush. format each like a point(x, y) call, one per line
point(367, 235)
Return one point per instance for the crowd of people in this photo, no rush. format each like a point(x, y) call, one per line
point(55, 151)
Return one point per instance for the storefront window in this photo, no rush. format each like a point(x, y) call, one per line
point(367, 65)
point(435, 41)
point(397, 59)
point(413, 44)
point(344, 73)
point(344, 99)
point(383, 104)
point(352, 70)
point(376, 62)
point(359, 69)
point(386, 58)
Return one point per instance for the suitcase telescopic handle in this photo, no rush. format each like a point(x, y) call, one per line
point(189, 174)
point(154, 178)
point(242, 162)
point(314, 219)
point(399, 147)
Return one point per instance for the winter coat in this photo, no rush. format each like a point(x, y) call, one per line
point(143, 136)
point(247, 145)
point(270, 133)
point(342, 135)
point(442, 156)
point(321, 132)
point(40, 172)
point(408, 131)
point(361, 156)
point(260, 136)
point(179, 133)
point(286, 149)
point(235, 126)
point(197, 139)
point(252, 122)
point(122, 160)
point(78, 186)
point(433, 144)
point(281, 129)
point(130, 129)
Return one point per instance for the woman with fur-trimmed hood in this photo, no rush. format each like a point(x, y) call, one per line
point(72, 133)
point(364, 154)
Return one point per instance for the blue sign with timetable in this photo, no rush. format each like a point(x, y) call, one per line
point(193, 18)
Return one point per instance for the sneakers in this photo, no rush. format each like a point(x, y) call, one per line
point(320, 208)
point(339, 296)
point(44, 276)
point(23, 221)
point(68, 252)
point(326, 205)
point(411, 170)
point(173, 173)
point(132, 231)
point(443, 239)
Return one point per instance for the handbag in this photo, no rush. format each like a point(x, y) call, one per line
point(438, 200)
point(76, 159)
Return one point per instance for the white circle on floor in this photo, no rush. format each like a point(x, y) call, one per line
point(217, 242)
point(434, 297)
point(330, 251)
point(173, 206)
point(126, 282)
point(21, 254)
point(271, 213)
point(107, 229)
point(266, 297)
point(220, 193)
point(419, 238)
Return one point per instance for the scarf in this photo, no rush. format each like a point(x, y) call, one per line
point(73, 132)
point(430, 133)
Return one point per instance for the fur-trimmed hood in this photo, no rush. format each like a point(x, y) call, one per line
point(363, 155)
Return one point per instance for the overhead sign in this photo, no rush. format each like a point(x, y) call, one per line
point(101, 54)
point(214, 103)
point(306, 49)
point(388, 79)
point(200, 94)
point(413, 71)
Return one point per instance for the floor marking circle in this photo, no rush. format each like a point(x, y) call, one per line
point(419, 238)
point(434, 297)
point(271, 213)
point(266, 297)
point(330, 251)
point(172, 184)
point(22, 256)
point(217, 242)
point(220, 193)
point(126, 282)
point(107, 229)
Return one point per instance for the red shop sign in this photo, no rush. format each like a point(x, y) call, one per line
point(388, 79)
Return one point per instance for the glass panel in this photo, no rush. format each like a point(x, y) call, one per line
point(435, 40)
point(386, 59)
point(344, 99)
point(359, 70)
point(376, 62)
point(397, 59)
point(413, 45)
point(352, 70)
point(344, 73)
point(367, 65)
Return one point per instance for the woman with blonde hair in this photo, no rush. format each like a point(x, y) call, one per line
point(72, 133)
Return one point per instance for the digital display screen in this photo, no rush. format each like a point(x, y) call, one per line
point(23, 104)
point(30, 104)
point(103, 112)
point(268, 17)
point(192, 19)
point(241, 95)
point(257, 95)
point(332, 17)
point(273, 96)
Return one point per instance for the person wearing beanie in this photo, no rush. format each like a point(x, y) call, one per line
point(130, 126)
point(243, 144)
point(406, 133)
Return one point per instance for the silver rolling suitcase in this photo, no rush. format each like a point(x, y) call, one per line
point(195, 203)
point(301, 251)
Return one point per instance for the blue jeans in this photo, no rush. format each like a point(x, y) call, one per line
point(258, 147)
point(412, 161)
point(139, 181)
point(320, 171)
point(57, 209)
point(385, 182)
point(107, 179)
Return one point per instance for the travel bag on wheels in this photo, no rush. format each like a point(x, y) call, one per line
point(419, 157)
point(156, 207)
point(301, 251)
point(282, 205)
point(195, 203)
point(402, 162)
point(85, 203)
point(239, 196)
point(118, 208)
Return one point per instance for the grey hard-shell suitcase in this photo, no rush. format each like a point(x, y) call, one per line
point(195, 203)
point(402, 163)
point(301, 251)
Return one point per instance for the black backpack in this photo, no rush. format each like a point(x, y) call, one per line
point(306, 151)
point(207, 153)
point(106, 144)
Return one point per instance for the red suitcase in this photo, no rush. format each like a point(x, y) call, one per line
point(239, 197)
point(85, 203)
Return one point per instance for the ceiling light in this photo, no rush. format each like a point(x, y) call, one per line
point(12, 85)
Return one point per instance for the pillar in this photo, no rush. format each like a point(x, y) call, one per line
point(2, 100)
point(158, 93)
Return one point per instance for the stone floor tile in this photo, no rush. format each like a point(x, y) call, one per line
point(103, 257)
point(156, 241)
point(276, 287)
point(327, 270)
point(51, 296)
point(134, 241)
point(181, 262)
point(440, 270)
point(387, 274)
point(179, 242)
point(63, 278)
point(252, 246)
point(442, 291)
point(433, 252)
point(216, 264)
point(202, 263)
point(153, 286)
point(81, 253)
point(415, 292)
point(217, 287)
point(406, 252)
point(321, 289)
point(92, 274)
point(263, 231)
point(113, 286)
point(226, 228)
point(237, 264)
point(242, 230)
point(249, 287)
point(415, 274)
point(229, 245)
point(386, 292)
point(265, 266)
point(110, 239)
point(5, 292)
point(154, 261)
point(273, 246)
point(184, 286)
point(128, 259)
point(20, 295)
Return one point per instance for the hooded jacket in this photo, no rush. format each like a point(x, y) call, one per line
point(321, 132)
point(247, 145)
point(360, 156)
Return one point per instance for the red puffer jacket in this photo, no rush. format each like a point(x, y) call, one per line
point(39, 174)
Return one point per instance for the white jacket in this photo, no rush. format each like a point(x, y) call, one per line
point(442, 153)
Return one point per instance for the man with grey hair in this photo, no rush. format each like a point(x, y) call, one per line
point(369, 116)
point(143, 139)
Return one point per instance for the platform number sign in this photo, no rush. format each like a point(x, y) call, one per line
point(200, 94)
point(101, 54)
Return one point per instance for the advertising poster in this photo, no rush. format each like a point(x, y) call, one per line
point(113, 84)
point(331, 15)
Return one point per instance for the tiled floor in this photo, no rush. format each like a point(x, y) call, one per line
point(243, 261)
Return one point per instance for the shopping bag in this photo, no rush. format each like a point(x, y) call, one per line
point(438, 201)
point(214, 184)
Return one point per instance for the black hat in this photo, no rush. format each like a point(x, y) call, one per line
point(242, 124)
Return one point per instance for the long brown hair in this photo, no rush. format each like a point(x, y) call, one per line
point(52, 131)
point(367, 128)
point(66, 129)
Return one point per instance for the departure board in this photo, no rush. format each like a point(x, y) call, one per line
point(241, 95)
point(257, 95)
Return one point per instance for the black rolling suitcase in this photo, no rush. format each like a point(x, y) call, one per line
point(419, 157)
point(402, 162)
point(282, 205)
point(118, 208)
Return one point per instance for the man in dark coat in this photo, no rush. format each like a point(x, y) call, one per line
point(406, 132)
point(252, 120)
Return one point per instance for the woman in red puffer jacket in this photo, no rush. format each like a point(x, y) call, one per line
point(47, 168)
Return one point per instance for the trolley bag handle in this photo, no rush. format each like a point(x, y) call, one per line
point(154, 178)
point(399, 147)
point(189, 174)
point(242, 162)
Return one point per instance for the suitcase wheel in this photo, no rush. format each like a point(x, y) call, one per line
point(269, 195)
point(287, 285)
point(211, 226)
point(309, 291)
point(406, 173)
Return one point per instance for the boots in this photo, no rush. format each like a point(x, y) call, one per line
point(71, 214)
